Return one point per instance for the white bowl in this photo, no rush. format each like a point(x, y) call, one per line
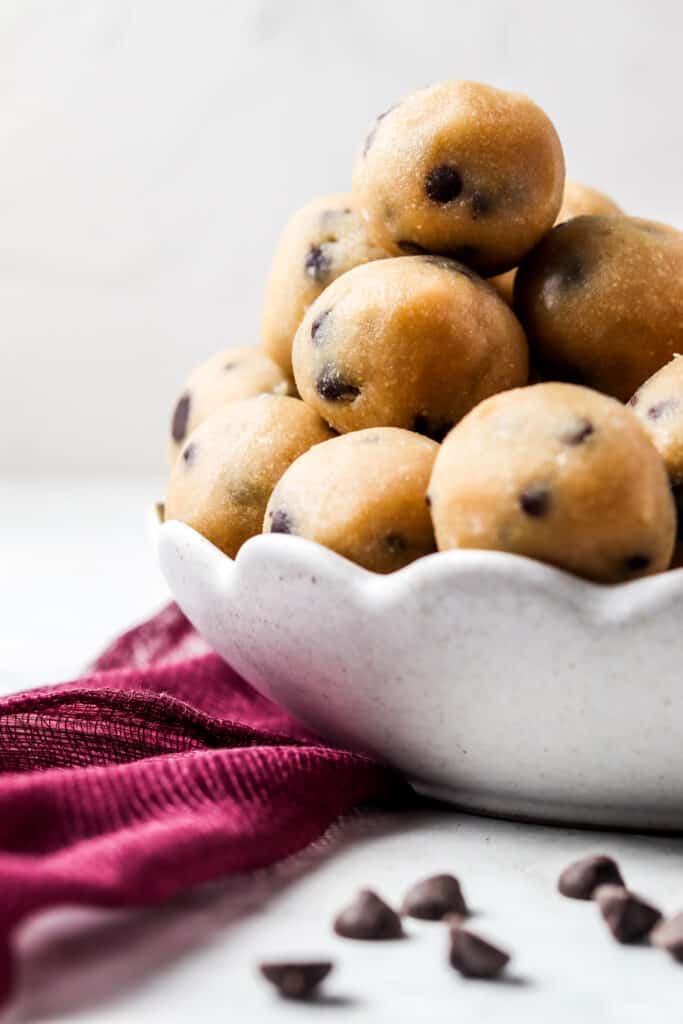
point(494, 682)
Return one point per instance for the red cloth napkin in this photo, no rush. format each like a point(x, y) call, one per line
point(161, 769)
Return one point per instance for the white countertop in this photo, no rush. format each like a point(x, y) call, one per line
point(76, 569)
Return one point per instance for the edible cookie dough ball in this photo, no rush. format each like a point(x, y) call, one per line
point(559, 473)
point(362, 495)
point(577, 201)
point(221, 482)
point(659, 407)
point(464, 170)
point(324, 239)
point(601, 299)
point(413, 342)
point(581, 200)
point(229, 376)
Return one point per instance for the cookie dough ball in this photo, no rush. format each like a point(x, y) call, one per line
point(559, 473)
point(601, 299)
point(577, 200)
point(413, 342)
point(229, 376)
point(362, 495)
point(323, 240)
point(464, 170)
point(658, 404)
point(223, 478)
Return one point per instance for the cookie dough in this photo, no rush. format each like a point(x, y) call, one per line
point(222, 480)
point(363, 495)
point(462, 169)
point(658, 404)
point(601, 299)
point(413, 342)
point(558, 473)
point(229, 376)
point(577, 200)
point(321, 241)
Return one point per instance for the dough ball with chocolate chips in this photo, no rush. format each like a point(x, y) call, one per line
point(221, 482)
point(322, 240)
point(229, 376)
point(658, 404)
point(601, 299)
point(577, 201)
point(413, 342)
point(558, 473)
point(363, 495)
point(462, 169)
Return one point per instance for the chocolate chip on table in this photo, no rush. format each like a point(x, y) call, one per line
point(318, 262)
point(578, 432)
point(535, 501)
point(181, 415)
point(473, 957)
point(368, 917)
point(433, 898)
point(280, 521)
point(333, 387)
point(668, 935)
point(579, 880)
point(443, 183)
point(296, 980)
point(628, 917)
point(318, 327)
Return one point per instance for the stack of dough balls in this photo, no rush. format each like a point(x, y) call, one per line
point(465, 350)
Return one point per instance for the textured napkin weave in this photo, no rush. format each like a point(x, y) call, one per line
point(160, 769)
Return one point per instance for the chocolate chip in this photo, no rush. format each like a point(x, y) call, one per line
point(637, 563)
point(434, 898)
point(296, 980)
point(318, 263)
point(395, 543)
point(668, 935)
point(319, 327)
point(368, 917)
point(436, 429)
point(662, 408)
point(579, 432)
point(370, 138)
point(634, 399)
point(280, 521)
point(535, 501)
point(181, 415)
point(333, 387)
point(579, 880)
point(428, 501)
point(443, 183)
point(480, 203)
point(473, 957)
point(627, 916)
point(411, 248)
point(190, 453)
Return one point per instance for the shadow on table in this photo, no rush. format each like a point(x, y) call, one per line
point(74, 959)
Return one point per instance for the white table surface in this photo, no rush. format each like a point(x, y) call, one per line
point(75, 570)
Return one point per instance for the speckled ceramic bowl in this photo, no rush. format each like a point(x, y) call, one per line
point(491, 681)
